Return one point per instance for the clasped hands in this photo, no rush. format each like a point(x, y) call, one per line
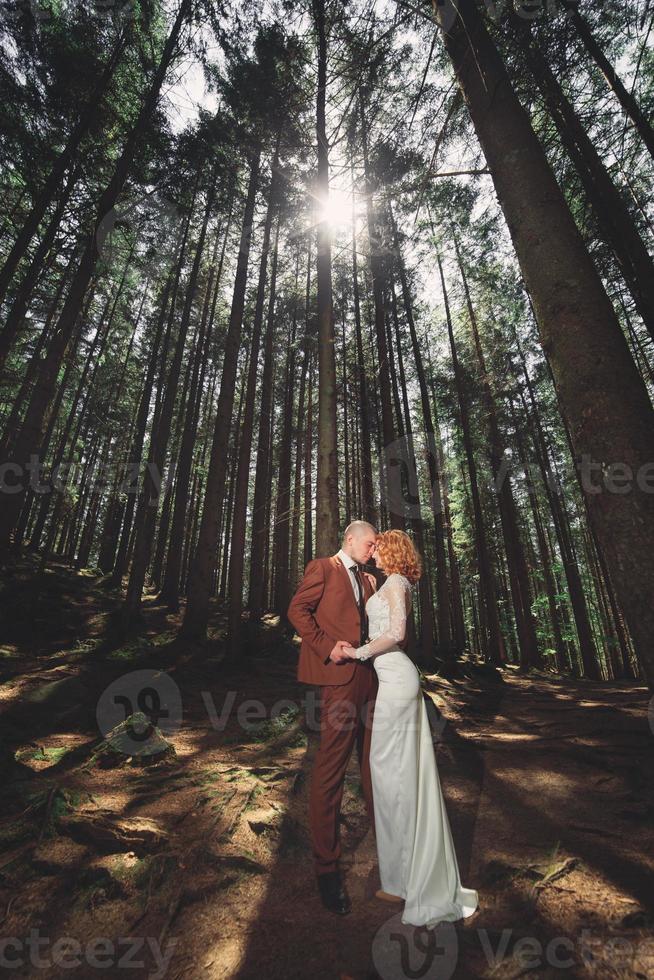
point(342, 652)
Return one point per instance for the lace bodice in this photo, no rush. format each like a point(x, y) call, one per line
point(387, 613)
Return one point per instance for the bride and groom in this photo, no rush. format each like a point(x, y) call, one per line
point(354, 649)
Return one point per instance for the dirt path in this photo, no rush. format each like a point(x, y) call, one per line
point(200, 866)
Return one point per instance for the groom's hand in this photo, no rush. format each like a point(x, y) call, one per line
point(337, 655)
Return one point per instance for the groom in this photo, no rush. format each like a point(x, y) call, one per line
point(328, 612)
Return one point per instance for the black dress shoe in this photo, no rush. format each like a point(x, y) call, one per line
point(332, 893)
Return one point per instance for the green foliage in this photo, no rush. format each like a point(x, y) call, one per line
point(402, 148)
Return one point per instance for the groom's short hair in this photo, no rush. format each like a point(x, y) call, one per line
point(358, 527)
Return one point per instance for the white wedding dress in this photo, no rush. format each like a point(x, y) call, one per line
point(416, 853)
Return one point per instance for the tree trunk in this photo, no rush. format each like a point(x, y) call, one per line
point(426, 649)
point(308, 446)
point(612, 213)
point(196, 616)
point(239, 513)
point(393, 493)
point(560, 519)
point(29, 439)
point(435, 472)
point(133, 467)
point(61, 164)
point(260, 527)
point(598, 385)
point(367, 492)
point(515, 555)
point(492, 642)
point(327, 513)
point(161, 430)
point(16, 314)
point(171, 583)
point(282, 524)
point(625, 98)
point(299, 441)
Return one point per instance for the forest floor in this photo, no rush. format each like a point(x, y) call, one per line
point(199, 865)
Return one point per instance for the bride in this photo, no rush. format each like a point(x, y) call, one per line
point(417, 861)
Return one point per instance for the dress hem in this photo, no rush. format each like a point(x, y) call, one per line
point(429, 916)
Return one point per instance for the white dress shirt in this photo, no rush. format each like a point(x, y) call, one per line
point(351, 564)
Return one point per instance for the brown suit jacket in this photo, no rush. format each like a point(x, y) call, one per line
point(324, 610)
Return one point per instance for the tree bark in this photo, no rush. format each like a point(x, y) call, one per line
point(515, 555)
point(239, 511)
point(598, 385)
point(282, 523)
point(436, 474)
point(171, 583)
point(61, 164)
point(29, 439)
point(625, 98)
point(616, 222)
point(327, 512)
point(367, 492)
point(393, 493)
point(161, 430)
point(196, 617)
point(492, 642)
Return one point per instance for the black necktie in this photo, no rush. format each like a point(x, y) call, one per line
point(361, 603)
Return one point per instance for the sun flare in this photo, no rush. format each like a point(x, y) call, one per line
point(336, 210)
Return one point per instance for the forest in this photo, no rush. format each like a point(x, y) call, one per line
point(267, 269)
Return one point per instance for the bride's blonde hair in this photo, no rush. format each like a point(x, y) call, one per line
point(397, 553)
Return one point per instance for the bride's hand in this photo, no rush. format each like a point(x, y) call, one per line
point(371, 578)
point(349, 652)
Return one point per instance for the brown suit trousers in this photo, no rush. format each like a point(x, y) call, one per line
point(324, 610)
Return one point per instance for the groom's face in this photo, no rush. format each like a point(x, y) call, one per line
point(362, 546)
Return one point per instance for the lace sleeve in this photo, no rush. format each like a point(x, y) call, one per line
point(395, 593)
